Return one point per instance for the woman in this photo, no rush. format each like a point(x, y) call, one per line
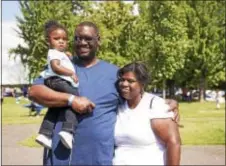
point(145, 133)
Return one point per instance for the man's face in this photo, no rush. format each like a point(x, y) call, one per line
point(86, 42)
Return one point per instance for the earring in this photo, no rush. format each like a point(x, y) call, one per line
point(142, 92)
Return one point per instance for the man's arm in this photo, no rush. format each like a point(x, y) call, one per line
point(50, 98)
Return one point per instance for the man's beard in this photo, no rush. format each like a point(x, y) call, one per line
point(87, 58)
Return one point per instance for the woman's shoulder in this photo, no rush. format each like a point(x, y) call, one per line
point(154, 98)
point(122, 107)
point(154, 101)
point(158, 107)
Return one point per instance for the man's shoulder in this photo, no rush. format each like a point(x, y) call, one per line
point(108, 68)
point(109, 65)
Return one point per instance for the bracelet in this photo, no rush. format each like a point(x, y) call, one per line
point(70, 100)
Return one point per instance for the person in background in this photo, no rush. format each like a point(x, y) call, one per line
point(144, 132)
point(217, 98)
point(24, 90)
point(2, 94)
point(60, 76)
point(98, 99)
point(17, 94)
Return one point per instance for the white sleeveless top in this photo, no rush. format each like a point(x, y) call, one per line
point(135, 141)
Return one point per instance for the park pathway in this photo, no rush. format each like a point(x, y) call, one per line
point(15, 154)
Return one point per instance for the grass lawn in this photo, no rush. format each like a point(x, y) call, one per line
point(13, 113)
point(203, 124)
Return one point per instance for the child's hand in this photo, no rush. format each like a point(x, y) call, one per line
point(75, 78)
point(68, 54)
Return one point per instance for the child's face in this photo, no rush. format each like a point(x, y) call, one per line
point(58, 40)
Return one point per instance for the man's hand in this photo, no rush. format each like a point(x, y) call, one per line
point(69, 54)
point(82, 105)
point(174, 106)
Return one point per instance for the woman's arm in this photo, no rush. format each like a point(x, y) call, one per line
point(168, 132)
point(50, 98)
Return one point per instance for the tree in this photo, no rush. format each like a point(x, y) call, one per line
point(115, 21)
point(169, 39)
point(182, 42)
point(205, 59)
point(31, 25)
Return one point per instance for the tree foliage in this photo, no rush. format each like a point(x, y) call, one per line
point(169, 40)
point(181, 41)
point(115, 20)
point(31, 25)
point(205, 59)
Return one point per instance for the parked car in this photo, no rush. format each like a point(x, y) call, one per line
point(8, 92)
point(210, 95)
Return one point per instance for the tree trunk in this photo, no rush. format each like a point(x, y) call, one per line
point(201, 89)
point(170, 84)
point(164, 89)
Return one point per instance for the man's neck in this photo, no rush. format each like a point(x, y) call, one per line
point(88, 63)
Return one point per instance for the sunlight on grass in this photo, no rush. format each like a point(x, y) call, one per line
point(30, 142)
point(13, 113)
point(203, 124)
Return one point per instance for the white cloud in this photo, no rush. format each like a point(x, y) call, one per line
point(13, 72)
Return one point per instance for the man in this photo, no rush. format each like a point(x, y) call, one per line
point(94, 137)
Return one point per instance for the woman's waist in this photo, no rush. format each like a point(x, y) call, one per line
point(141, 155)
point(148, 149)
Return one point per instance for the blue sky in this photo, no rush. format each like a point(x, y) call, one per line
point(9, 10)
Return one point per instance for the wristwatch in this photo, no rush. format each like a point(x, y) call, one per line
point(70, 100)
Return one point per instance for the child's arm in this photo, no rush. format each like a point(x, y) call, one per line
point(58, 69)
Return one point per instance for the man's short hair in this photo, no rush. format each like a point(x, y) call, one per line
point(89, 24)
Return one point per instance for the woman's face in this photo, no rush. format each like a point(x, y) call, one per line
point(130, 88)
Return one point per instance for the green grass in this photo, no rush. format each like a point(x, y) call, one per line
point(13, 113)
point(203, 124)
point(30, 142)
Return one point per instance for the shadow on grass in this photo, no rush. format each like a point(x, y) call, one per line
point(33, 115)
